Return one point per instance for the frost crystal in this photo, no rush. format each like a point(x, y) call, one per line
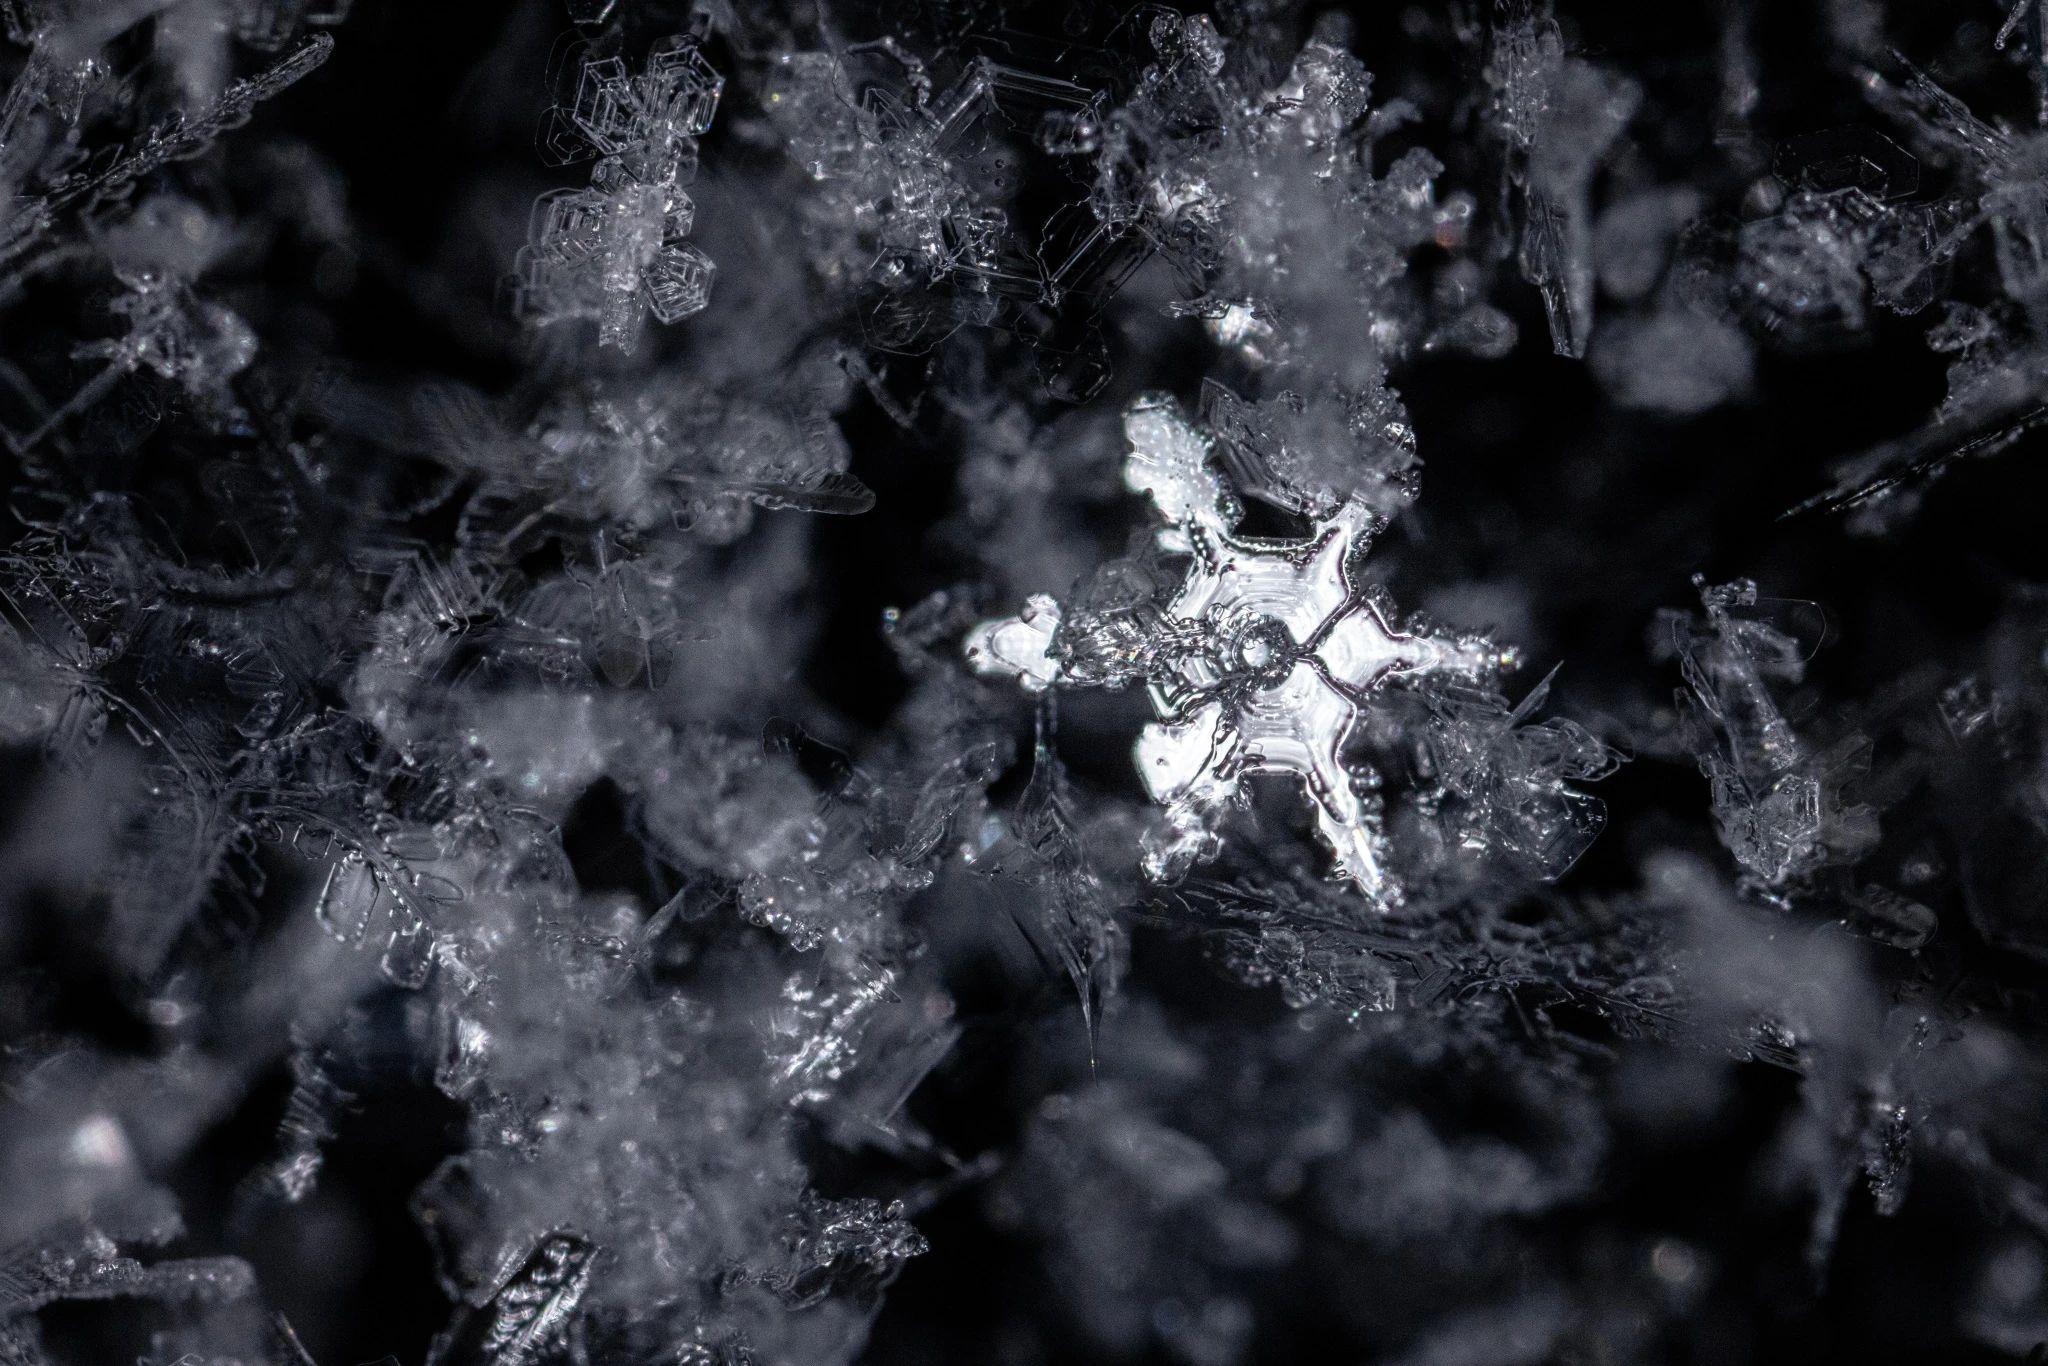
point(1262, 661)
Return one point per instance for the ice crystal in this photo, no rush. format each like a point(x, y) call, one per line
point(86, 1263)
point(918, 185)
point(1557, 115)
point(115, 172)
point(1510, 779)
point(619, 249)
point(503, 855)
point(1990, 403)
point(1048, 856)
point(532, 1315)
point(1778, 803)
point(1261, 662)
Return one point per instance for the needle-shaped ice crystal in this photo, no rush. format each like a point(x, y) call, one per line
point(1262, 661)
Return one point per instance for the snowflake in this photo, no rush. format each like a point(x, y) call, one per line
point(616, 250)
point(1263, 660)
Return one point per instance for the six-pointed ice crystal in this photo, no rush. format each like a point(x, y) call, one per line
point(1262, 662)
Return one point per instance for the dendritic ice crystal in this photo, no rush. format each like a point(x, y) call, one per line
point(1263, 660)
point(617, 248)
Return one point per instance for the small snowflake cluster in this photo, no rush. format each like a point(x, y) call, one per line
point(618, 248)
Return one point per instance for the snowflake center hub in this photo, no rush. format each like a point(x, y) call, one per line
point(1265, 649)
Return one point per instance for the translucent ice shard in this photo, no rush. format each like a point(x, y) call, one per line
point(1261, 662)
point(843, 1246)
point(1558, 116)
point(1777, 802)
point(1511, 779)
point(643, 453)
point(78, 184)
point(1073, 911)
point(308, 1124)
point(180, 138)
point(2034, 16)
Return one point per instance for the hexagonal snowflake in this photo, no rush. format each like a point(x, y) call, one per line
point(1262, 662)
point(615, 249)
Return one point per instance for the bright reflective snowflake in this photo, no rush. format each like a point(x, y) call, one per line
point(1263, 660)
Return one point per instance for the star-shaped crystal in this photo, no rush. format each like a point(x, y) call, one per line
point(1262, 662)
